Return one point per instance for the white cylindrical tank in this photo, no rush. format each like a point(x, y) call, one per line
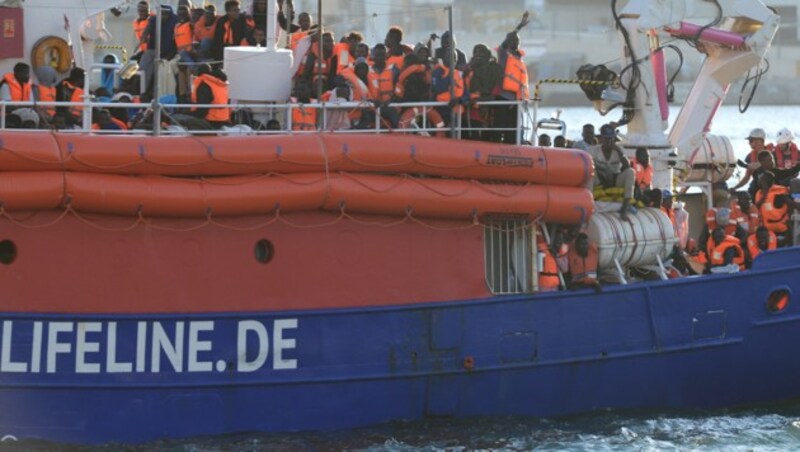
point(634, 243)
point(714, 161)
point(256, 74)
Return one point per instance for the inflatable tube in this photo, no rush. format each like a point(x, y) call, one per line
point(29, 152)
point(158, 196)
point(31, 190)
point(301, 153)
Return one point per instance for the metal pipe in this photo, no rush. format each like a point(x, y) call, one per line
point(452, 67)
point(321, 54)
point(156, 105)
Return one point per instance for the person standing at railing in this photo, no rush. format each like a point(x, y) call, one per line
point(441, 83)
point(184, 38)
point(297, 31)
point(515, 80)
point(71, 90)
point(45, 91)
point(482, 81)
point(204, 32)
point(231, 30)
point(396, 51)
point(303, 118)
point(209, 89)
point(310, 72)
point(168, 48)
point(381, 81)
point(139, 26)
point(16, 86)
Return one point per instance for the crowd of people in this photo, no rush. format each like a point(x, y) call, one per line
point(325, 70)
point(740, 226)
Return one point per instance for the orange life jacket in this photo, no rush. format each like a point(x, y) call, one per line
point(548, 274)
point(583, 269)
point(644, 176)
point(711, 221)
point(296, 37)
point(775, 219)
point(783, 162)
point(752, 244)
point(716, 253)
point(398, 61)
point(75, 96)
point(748, 221)
point(19, 92)
point(184, 36)
point(381, 84)
point(204, 31)
point(219, 90)
point(515, 78)
point(344, 59)
point(458, 85)
point(47, 94)
point(304, 118)
point(139, 25)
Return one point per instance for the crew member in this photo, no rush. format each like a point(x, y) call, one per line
point(612, 168)
point(786, 153)
point(756, 139)
point(583, 263)
point(209, 89)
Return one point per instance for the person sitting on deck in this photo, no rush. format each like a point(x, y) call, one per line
point(612, 168)
point(745, 213)
point(16, 86)
point(761, 240)
point(721, 217)
point(775, 204)
point(583, 263)
point(210, 89)
point(724, 250)
point(589, 138)
point(643, 169)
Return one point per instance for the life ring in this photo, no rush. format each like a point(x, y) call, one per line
point(410, 115)
point(52, 51)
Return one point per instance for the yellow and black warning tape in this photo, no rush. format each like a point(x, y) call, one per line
point(122, 50)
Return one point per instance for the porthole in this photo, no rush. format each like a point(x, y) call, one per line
point(264, 251)
point(778, 301)
point(8, 252)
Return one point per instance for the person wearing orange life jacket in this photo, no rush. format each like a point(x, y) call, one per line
point(184, 37)
point(549, 265)
point(381, 80)
point(721, 217)
point(71, 90)
point(583, 263)
point(761, 240)
point(414, 85)
point(396, 51)
point(775, 204)
point(209, 89)
point(447, 87)
point(304, 119)
point(363, 51)
point(296, 31)
point(482, 82)
point(45, 91)
point(515, 81)
point(204, 30)
point(310, 70)
point(231, 29)
point(139, 25)
point(344, 53)
point(786, 153)
point(744, 213)
point(16, 86)
point(723, 250)
point(642, 169)
point(357, 78)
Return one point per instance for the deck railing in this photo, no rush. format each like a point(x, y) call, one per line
point(521, 131)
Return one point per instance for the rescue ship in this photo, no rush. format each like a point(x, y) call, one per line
point(175, 286)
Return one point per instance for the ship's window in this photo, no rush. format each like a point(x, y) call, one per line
point(264, 251)
point(507, 254)
point(778, 301)
point(8, 252)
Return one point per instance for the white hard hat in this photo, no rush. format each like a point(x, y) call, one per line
point(757, 133)
point(785, 136)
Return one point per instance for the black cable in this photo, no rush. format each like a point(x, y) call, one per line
point(756, 79)
point(671, 82)
point(693, 42)
point(636, 75)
